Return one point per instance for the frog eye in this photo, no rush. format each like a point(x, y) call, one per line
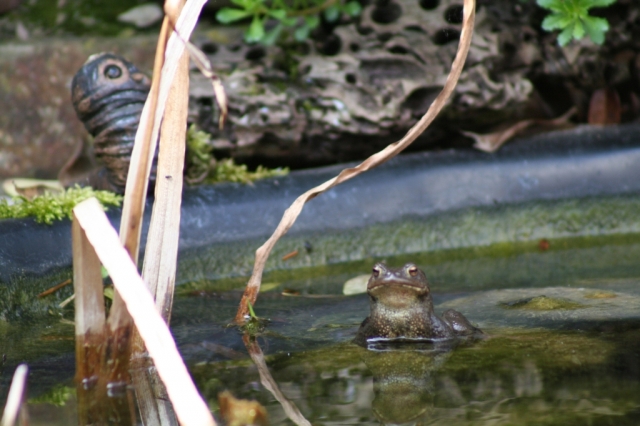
point(376, 271)
point(413, 270)
point(112, 72)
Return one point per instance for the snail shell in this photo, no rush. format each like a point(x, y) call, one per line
point(108, 94)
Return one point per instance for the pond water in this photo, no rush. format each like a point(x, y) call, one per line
point(562, 319)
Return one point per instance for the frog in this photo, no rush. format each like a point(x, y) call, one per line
point(402, 310)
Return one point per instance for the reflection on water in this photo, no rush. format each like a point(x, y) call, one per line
point(514, 377)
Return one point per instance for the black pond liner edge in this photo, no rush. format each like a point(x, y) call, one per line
point(582, 162)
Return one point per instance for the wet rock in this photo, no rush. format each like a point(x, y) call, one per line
point(142, 16)
point(551, 307)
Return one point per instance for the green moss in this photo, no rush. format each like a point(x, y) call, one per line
point(202, 166)
point(58, 396)
point(49, 207)
point(19, 299)
point(199, 160)
point(228, 171)
point(542, 303)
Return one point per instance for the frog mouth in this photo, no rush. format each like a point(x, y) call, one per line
point(395, 284)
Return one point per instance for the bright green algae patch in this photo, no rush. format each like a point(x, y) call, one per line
point(49, 207)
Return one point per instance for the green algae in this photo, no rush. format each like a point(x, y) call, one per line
point(19, 299)
point(501, 232)
point(599, 294)
point(542, 303)
point(58, 395)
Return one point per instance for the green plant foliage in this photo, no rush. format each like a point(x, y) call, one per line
point(199, 159)
point(572, 18)
point(49, 207)
point(58, 396)
point(202, 166)
point(270, 17)
point(228, 171)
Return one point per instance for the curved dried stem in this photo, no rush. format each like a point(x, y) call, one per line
point(292, 213)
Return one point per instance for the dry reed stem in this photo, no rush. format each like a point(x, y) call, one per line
point(87, 284)
point(167, 55)
point(161, 254)
point(290, 409)
point(119, 320)
point(291, 214)
point(166, 62)
point(189, 406)
point(89, 314)
point(16, 397)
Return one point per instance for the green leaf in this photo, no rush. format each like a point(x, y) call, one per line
point(332, 13)
point(301, 33)
point(279, 14)
point(600, 3)
point(244, 4)
point(312, 21)
point(553, 5)
point(289, 21)
point(353, 8)
point(555, 22)
point(596, 27)
point(272, 35)
point(578, 30)
point(227, 15)
point(255, 33)
point(565, 36)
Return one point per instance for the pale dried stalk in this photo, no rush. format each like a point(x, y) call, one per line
point(15, 399)
point(292, 213)
point(161, 254)
point(87, 285)
point(189, 406)
point(89, 308)
point(147, 135)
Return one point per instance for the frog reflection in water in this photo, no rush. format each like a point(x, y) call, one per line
point(402, 309)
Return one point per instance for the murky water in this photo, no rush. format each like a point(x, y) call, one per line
point(563, 345)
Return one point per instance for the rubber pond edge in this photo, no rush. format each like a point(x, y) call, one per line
point(232, 220)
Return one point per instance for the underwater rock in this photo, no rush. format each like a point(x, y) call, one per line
point(551, 307)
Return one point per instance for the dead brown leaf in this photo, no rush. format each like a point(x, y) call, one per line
point(605, 107)
point(490, 142)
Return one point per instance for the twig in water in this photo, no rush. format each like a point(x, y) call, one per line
point(55, 288)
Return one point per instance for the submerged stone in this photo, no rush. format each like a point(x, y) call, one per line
point(541, 303)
